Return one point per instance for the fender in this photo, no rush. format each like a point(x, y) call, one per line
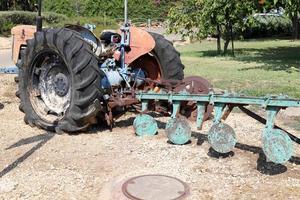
point(141, 43)
point(20, 34)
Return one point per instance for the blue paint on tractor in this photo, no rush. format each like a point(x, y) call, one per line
point(222, 138)
point(9, 70)
point(178, 131)
point(277, 145)
point(145, 125)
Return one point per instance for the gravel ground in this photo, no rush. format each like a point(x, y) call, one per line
point(39, 165)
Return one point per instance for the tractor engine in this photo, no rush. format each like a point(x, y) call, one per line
point(116, 77)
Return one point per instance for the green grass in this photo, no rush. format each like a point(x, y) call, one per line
point(260, 67)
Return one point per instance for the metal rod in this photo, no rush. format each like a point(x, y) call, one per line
point(264, 121)
point(39, 8)
point(225, 99)
point(39, 20)
point(126, 12)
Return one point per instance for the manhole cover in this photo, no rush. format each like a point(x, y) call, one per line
point(158, 187)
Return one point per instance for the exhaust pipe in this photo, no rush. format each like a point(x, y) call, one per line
point(39, 19)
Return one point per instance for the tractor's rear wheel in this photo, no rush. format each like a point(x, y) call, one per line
point(168, 57)
point(59, 82)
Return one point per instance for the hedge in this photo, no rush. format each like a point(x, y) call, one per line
point(9, 19)
point(268, 26)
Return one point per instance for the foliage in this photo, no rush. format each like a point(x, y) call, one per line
point(292, 8)
point(17, 5)
point(202, 18)
point(101, 23)
point(268, 26)
point(9, 19)
point(113, 9)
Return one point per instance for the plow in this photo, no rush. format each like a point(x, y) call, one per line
point(70, 79)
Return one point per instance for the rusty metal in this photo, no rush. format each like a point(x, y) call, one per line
point(158, 187)
point(150, 64)
point(20, 34)
point(141, 43)
point(194, 85)
point(228, 110)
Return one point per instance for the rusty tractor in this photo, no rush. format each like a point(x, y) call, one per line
point(70, 79)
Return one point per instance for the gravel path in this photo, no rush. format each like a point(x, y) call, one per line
point(5, 52)
point(39, 165)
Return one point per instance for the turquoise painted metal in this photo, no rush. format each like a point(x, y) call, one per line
point(277, 146)
point(145, 125)
point(178, 130)
point(222, 138)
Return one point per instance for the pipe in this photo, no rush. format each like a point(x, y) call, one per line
point(39, 19)
point(126, 12)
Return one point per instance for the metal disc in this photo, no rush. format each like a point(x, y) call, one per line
point(178, 131)
point(158, 187)
point(277, 146)
point(222, 138)
point(145, 125)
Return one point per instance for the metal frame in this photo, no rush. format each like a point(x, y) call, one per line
point(277, 143)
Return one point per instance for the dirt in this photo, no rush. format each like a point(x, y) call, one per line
point(5, 43)
point(39, 165)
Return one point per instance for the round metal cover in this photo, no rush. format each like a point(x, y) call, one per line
point(158, 187)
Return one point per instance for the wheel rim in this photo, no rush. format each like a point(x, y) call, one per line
point(151, 66)
point(50, 91)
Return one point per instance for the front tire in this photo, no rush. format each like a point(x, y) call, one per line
point(59, 82)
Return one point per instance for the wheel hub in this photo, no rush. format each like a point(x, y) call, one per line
point(61, 84)
point(51, 86)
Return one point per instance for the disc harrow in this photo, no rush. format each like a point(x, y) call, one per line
point(277, 143)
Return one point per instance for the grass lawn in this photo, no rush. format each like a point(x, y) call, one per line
point(260, 67)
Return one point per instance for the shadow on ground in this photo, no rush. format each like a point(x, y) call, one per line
point(41, 139)
point(271, 59)
point(263, 166)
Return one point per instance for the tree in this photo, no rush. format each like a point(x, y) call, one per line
point(17, 5)
point(203, 18)
point(292, 8)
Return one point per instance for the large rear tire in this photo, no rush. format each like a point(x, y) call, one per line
point(59, 82)
point(169, 58)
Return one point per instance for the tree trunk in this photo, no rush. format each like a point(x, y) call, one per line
point(227, 38)
point(227, 31)
point(232, 40)
point(296, 28)
point(219, 40)
point(226, 44)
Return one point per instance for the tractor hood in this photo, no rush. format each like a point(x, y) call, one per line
point(141, 42)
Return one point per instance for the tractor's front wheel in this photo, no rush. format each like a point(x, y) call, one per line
point(59, 82)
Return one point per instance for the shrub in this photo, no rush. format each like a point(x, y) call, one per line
point(9, 19)
point(100, 22)
point(268, 26)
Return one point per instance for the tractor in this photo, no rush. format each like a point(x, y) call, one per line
point(69, 79)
